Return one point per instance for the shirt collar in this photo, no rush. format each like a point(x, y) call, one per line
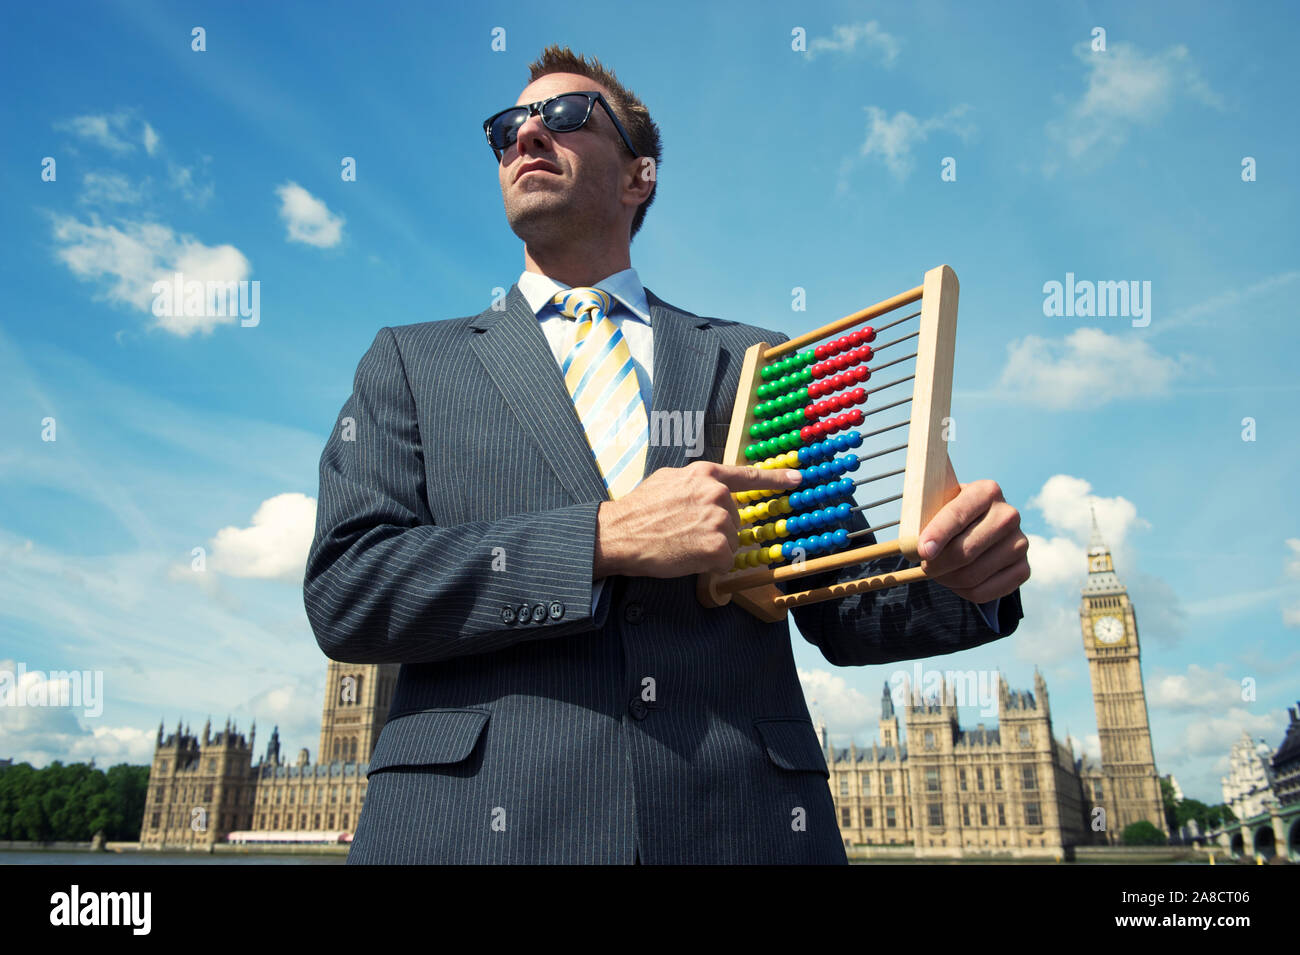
point(625, 286)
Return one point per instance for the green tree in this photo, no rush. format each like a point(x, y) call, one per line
point(72, 802)
point(1142, 833)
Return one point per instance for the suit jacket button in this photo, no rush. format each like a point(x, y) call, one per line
point(632, 612)
point(524, 613)
point(638, 708)
point(507, 614)
point(557, 610)
point(539, 613)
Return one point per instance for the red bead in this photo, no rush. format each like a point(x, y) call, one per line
point(868, 334)
point(855, 416)
point(819, 352)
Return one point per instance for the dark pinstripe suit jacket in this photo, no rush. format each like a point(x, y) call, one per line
point(518, 732)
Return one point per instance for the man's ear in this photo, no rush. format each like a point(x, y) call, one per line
point(642, 172)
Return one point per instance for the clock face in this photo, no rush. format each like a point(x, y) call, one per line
point(1108, 630)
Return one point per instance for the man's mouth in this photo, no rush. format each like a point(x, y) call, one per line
point(534, 167)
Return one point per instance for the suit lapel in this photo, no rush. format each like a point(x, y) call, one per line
point(516, 357)
point(686, 364)
point(515, 354)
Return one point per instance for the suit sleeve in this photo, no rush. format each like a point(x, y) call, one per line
point(906, 622)
point(385, 584)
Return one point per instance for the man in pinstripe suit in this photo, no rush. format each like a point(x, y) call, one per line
point(563, 696)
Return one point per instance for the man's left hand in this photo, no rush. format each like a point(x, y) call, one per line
point(980, 552)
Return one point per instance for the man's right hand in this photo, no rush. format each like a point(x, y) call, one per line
point(679, 521)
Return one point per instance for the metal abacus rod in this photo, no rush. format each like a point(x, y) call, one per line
point(770, 383)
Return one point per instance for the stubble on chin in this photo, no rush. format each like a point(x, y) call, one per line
point(538, 218)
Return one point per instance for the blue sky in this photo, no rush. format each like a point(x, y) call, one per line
point(818, 169)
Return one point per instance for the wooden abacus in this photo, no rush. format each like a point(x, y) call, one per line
point(794, 403)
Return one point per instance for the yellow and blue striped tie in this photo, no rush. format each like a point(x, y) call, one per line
point(602, 379)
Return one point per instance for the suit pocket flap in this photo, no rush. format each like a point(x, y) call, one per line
point(427, 738)
point(792, 744)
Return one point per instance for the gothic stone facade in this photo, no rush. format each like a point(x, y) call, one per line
point(1013, 790)
point(202, 789)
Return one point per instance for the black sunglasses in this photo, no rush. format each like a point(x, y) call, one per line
point(560, 114)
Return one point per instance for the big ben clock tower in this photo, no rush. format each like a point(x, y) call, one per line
point(1110, 642)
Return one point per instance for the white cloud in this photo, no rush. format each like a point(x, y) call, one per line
point(1087, 369)
point(108, 130)
point(181, 178)
point(1196, 689)
point(1212, 735)
point(1056, 561)
point(37, 734)
point(1228, 306)
point(308, 218)
point(1050, 633)
point(1091, 746)
point(132, 258)
point(108, 188)
point(1125, 88)
point(274, 545)
point(894, 138)
point(846, 38)
point(830, 697)
point(1067, 505)
point(119, 132)
point(1292, 566)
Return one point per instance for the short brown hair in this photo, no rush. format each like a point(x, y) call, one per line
point(632, 113)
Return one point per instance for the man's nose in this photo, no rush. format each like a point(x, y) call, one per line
point(532, 135)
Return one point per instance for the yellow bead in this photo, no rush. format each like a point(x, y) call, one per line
point(746, 537)
point(780, 528)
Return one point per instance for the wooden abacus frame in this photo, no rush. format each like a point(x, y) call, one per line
point(928, 482)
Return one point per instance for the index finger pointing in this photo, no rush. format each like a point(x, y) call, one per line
point(750, 478)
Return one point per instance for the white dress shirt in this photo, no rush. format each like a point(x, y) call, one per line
point(631, 313)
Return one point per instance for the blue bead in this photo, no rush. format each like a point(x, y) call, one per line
point(841, 537)
point(851, 462)
point(842, 511)
point(855, 439)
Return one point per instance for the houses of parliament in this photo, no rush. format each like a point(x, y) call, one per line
point(1014, 790)
point(944, 790)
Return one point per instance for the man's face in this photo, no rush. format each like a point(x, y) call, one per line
point(553, 183)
